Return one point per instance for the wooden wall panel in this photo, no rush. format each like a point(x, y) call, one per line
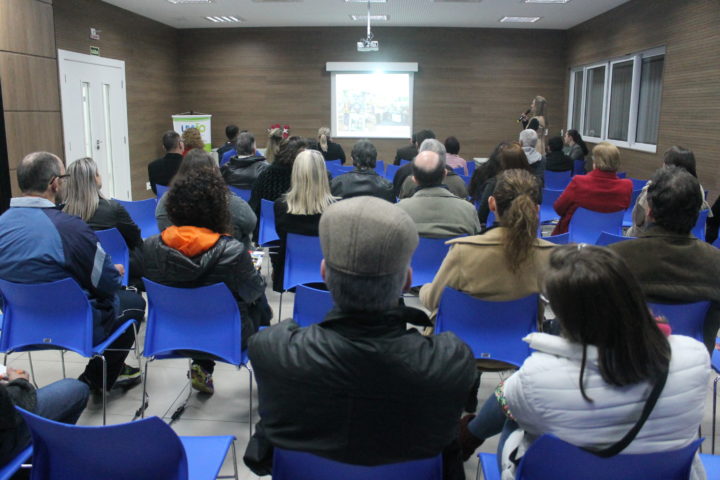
point(27, 27)
point(691, 83)
point(152, 67)
point(472, 83)
point(32, 131)
point(32, 85)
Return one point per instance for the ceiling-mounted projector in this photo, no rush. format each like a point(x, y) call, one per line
point(367, 45)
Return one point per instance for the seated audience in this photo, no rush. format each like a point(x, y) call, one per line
point(364, 180)
point(197, 250)
point(61, 401)
point(600, 190)
point(454, 183)
point(680, 158)
point(578, 149)
point(407, 152)
point(504, 262)
point(669, 262)
point(298, 211)
point(245, 167)
point(162, 170)
point(529, 141)
point(510, 157)
point(242, 218)
point(713, 222)
point(329, 149)
point(437, 213)
point(588, 387)
point(556, 160)
point(452, 147)
point(39, 243)
point(406, 170)
point(276, 135)
point(231, 132)
point(83, 199)
point(192, 139)
point(484, 172)
point(360, 387)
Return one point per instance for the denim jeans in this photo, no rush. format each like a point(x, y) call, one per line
point(490, 421)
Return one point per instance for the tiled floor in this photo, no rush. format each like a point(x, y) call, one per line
point(224, 413)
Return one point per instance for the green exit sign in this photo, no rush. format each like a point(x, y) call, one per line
point(94, 50)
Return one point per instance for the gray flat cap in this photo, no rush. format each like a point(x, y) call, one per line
point(367, 236)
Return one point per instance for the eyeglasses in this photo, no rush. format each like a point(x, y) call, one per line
point(59, 177)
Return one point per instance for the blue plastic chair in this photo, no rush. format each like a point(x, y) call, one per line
point(227, 156)
point(161, 190)
point(557, 180)
point(561, 239)
point(715, 364)
point(203, 319)
point(302, 260)
point(493, 330)
point(380, 168)
point(586, 225)
point(638, 184)
point(684, 318)
point(52, 316)
point(311, 305)
point(114, 245)
point(403, 161)
point(711, 463)
point(490, 219)
point(147, 449)
point(699, 228)
point(471, 166)
point(427, 259)
point(143, 214)
point(266, 231)
point(627, 216)
point(8, 470)
point(622, 174)
point(579, 167)
point(241, 192)
point(460, 171)
point(332, 163)
point(547, 211)
point(391, 170)
point(294, 465)
point(550, 458)
point(606, 239)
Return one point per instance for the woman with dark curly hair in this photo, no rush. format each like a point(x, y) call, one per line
point(197, 250)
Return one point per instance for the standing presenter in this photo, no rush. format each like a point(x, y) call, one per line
point(538, 121)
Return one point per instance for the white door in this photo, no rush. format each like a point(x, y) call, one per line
point(94, 112)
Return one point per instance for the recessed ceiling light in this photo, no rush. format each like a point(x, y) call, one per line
point(190, 1)
point(365, 1)
point(225, 19)
point(520, 19)
point(372, 17)
point(547, 1)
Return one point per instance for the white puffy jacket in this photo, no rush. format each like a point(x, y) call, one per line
point(544, 397)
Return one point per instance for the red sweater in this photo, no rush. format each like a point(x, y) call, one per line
point(598, 191)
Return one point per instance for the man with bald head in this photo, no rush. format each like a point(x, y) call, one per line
point(39, 243)
point(437, 213)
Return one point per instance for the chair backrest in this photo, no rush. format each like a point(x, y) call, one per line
point(715, 357)
point(161, 189)
point(46, 315)
point(586, 225)
point(459, 170)
point(699, 228)
point(391, 170)
point(579, 167)
point(606, 239)
point(471, 165)
point(684, 318)
point(294, 465)
point(311, 305)
point(266, 231)
point(550, 458)
point(143, 214)
point(493, 330)
point(638, 184)
point(302, 260)
point(241, 192)
point(547, 212)
point(427, 258)
point(380, 168)
point(146, 449)
point(403, 161)
point(622, 174)
point(114, 245)
point(561, 239)
point(206, 319)
point(490, 218)
point(557, 180)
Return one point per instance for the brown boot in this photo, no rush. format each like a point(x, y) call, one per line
point(468, 442)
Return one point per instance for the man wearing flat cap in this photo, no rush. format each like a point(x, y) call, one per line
point(360, 387)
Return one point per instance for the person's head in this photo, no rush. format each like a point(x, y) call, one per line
point(452, 145)
point(172, 142)
point(432, 145)
point(606, 157)
point(289, 149)
point(194, 160)
point(423, 135)
point(275, 138)
point(528, 138)
point(324, 138)
point(487, 170)
point(364, 154)
point(681, 157)
point(428, 169)
point(245, 144)
point(598, 301)
point(82, 188)
point(538, 106)
point(674, 199)
point(515, 203)
point(41, 174)
point(573, 137)
point(192, 139)
point(555, 144)
point(513, 156)
point(367, 244)
point(200, 199)
point(309, 192)
point(231, 132)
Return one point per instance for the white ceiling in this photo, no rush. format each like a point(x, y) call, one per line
point(403, 13)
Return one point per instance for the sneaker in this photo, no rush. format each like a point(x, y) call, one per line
point(201, 380)
point(128, 378)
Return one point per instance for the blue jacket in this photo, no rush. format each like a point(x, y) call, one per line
point(39, 243)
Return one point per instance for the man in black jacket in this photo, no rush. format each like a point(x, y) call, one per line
point(162, 170)
point(410, 151)
point(360, 387)
point(364, 180)
point(244, 168)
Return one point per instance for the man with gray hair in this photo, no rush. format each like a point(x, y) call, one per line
point(243, 169)
point(528, 140)
point(360, 387)
point(364, 180)
point(452, 180)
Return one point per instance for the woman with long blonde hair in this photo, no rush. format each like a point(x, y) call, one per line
point(329, 149)
point(539, 121)
point(275, 138)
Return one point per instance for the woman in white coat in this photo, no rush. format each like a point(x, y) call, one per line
point(589, 386)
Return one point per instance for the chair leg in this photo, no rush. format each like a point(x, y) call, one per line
point(714, 412)
point(250, 414)
point(32, 371)
point(179, 411)
point(144, 392)
point(104, 388)
point(62, 360)
point(280, 308)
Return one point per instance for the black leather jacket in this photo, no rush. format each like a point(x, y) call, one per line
point(362, 181)
point(242, 172)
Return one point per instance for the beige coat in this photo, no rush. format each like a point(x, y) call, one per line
point(476, 265)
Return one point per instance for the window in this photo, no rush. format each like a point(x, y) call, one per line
point(618, 100)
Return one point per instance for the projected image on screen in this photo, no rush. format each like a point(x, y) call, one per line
point(374, 105)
